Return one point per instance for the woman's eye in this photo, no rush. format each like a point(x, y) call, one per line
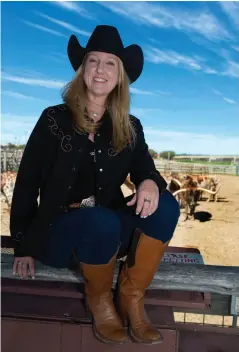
point(111, 63)
point(92, 60)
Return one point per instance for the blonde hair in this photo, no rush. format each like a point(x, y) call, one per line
point(118, 103)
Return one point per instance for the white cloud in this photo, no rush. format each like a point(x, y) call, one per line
point(145, 92)
point(20, 96)
point(172, 58)
point(236, 48)
point(228, 100)
point(154, 14)
point(144, 112)
point(160, 92)
point(185, 142)
point(73, 7)
point(215, 91)
point(57, 57)
point(65, 25)
point(46, 83)
point(232, 69)
point(231, 8)
point(44, 29)
point(139, 91)
point(210, 71)
point(195, 63)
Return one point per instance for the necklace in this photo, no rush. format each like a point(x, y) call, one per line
point(93, 102)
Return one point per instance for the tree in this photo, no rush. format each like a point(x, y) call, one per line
point(11, 146)
point(167, 154)
point(21, 146)
point(153, 153)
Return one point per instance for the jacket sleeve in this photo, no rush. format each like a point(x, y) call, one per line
point(26, 190)
point(143, 166)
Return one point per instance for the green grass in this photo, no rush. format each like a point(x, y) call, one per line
point(205, 162)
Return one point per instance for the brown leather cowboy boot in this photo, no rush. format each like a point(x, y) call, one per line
point(136, 275)
point(107, 325)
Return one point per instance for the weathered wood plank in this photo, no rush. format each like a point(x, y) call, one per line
point(194, 277)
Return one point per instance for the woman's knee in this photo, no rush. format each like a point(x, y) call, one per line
point(169, 206)
point(162, 223)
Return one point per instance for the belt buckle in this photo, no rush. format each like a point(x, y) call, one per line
point(88, 202)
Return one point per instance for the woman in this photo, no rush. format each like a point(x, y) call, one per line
point(76, 160)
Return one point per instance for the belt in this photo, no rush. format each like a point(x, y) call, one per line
point(85, 203)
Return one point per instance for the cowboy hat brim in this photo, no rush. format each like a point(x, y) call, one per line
point(131, 56)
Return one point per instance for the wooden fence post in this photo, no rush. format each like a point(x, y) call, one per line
point(4, 161)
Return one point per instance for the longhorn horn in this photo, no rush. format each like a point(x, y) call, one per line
point(206, 190)
point(180, 191)
point(185, 189)
point(211, 192)
point(177, 181)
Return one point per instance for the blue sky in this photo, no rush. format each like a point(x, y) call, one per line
point(188, 95)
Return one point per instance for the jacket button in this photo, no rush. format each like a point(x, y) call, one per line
point(101, 170)
point(73, 169)
point(98, 134)
point(99, 151)
point(100, 188)
point(69, 187)
point(50, 224)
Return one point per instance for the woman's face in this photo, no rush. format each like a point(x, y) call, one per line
point(101, 73)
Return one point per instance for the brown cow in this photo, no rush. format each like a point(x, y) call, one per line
point(188, 190)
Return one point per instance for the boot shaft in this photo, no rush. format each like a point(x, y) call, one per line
point(143, 261)
point(98, 278)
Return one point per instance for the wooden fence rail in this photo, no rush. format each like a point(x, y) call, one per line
point(167, 167)
point(193, 277)
point(10, 160)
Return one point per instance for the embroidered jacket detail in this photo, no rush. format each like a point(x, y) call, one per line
point(112, 152)
point(66, 147)
point(18, 237)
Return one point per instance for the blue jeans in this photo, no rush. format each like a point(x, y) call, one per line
point(95, 234)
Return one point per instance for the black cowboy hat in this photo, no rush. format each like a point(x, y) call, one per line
point(107, 39)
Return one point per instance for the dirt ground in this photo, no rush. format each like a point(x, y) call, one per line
point(217, 239)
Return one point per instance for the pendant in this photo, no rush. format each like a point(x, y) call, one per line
point(93, 154)
point(95, 114)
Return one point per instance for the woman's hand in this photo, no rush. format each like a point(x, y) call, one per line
point(24, 266)
point(147, 197)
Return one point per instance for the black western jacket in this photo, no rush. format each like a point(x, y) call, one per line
point(50, 164)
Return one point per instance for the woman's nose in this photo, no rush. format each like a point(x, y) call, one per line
point(100, 67)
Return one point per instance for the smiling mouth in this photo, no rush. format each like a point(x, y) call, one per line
point(100, 80)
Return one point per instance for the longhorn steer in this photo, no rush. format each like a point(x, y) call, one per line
point(190, 196)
